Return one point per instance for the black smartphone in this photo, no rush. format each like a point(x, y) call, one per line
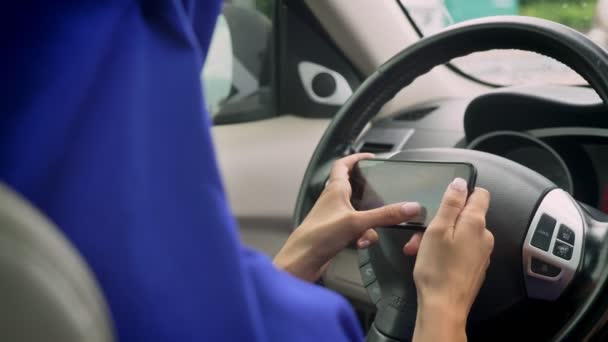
point(377, 182)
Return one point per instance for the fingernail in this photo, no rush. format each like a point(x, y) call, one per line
point(364, 243)
point(411, 208)
point(459, 184)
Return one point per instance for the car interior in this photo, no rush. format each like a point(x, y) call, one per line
point(517, 88)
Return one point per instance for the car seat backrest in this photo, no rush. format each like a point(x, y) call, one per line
point(47, 292)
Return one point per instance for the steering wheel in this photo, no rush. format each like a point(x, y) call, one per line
point(549, 269)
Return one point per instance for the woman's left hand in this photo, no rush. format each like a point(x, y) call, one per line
point(332, 224)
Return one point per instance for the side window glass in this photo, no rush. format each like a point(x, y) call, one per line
point(237, 76)
point(217, 72)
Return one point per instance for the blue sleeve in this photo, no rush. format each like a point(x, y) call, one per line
point(105, 131)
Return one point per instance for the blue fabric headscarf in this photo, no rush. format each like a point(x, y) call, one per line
point(104, 129)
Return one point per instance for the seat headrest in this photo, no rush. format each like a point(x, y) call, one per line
point(47, 292)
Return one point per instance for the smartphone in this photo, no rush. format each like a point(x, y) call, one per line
point(377, 182)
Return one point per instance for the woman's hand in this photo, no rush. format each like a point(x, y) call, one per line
point(453, 255)
point(333, 223)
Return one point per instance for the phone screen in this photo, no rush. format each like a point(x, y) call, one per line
point(376, 183)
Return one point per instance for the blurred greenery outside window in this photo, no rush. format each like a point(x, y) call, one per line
point(514, 67)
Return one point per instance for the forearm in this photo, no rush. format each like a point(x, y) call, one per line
point(439, 323)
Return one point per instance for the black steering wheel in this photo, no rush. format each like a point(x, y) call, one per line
point(549, 270)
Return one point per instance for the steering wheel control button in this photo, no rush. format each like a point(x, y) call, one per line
point(565, 234)
point(553, 248)
point(542, 268)
point(544, 232)
point(363, 256)
point(373, 290)
point(367, 274)
point(562, 250)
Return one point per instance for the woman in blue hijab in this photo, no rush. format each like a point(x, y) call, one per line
point(104, 129)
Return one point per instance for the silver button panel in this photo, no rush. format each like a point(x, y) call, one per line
point(548, 271)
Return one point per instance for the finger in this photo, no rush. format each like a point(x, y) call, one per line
point(368, 238)
point(489, 240)
point(479, 201)
point(386, 216)
point(473, 216)
point(451, 206)
point(343, 166)
point(412, 246)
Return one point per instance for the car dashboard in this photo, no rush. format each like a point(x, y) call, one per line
point(559, 131)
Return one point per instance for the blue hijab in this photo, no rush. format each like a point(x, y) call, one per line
point(104, 129)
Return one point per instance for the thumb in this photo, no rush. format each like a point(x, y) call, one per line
point(389, 215)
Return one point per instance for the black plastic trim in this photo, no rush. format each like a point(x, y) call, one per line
point(302, 38)
point(548, 112)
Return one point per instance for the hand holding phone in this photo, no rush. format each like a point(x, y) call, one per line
point(378, 182)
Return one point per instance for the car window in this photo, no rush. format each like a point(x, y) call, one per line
point(257, 70)
point(217, 72)
point(513, 67)
point(237, 75)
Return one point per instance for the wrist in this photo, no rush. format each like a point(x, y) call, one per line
point(297, 262)
point(440, 322)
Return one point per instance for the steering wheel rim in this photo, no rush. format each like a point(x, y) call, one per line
point(510, 32)
point(545, 37)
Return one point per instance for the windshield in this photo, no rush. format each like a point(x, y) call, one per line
point(507, 67)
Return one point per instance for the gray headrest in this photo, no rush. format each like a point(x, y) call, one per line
point(47, 292)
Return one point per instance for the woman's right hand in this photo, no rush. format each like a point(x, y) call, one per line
point(452, 258)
